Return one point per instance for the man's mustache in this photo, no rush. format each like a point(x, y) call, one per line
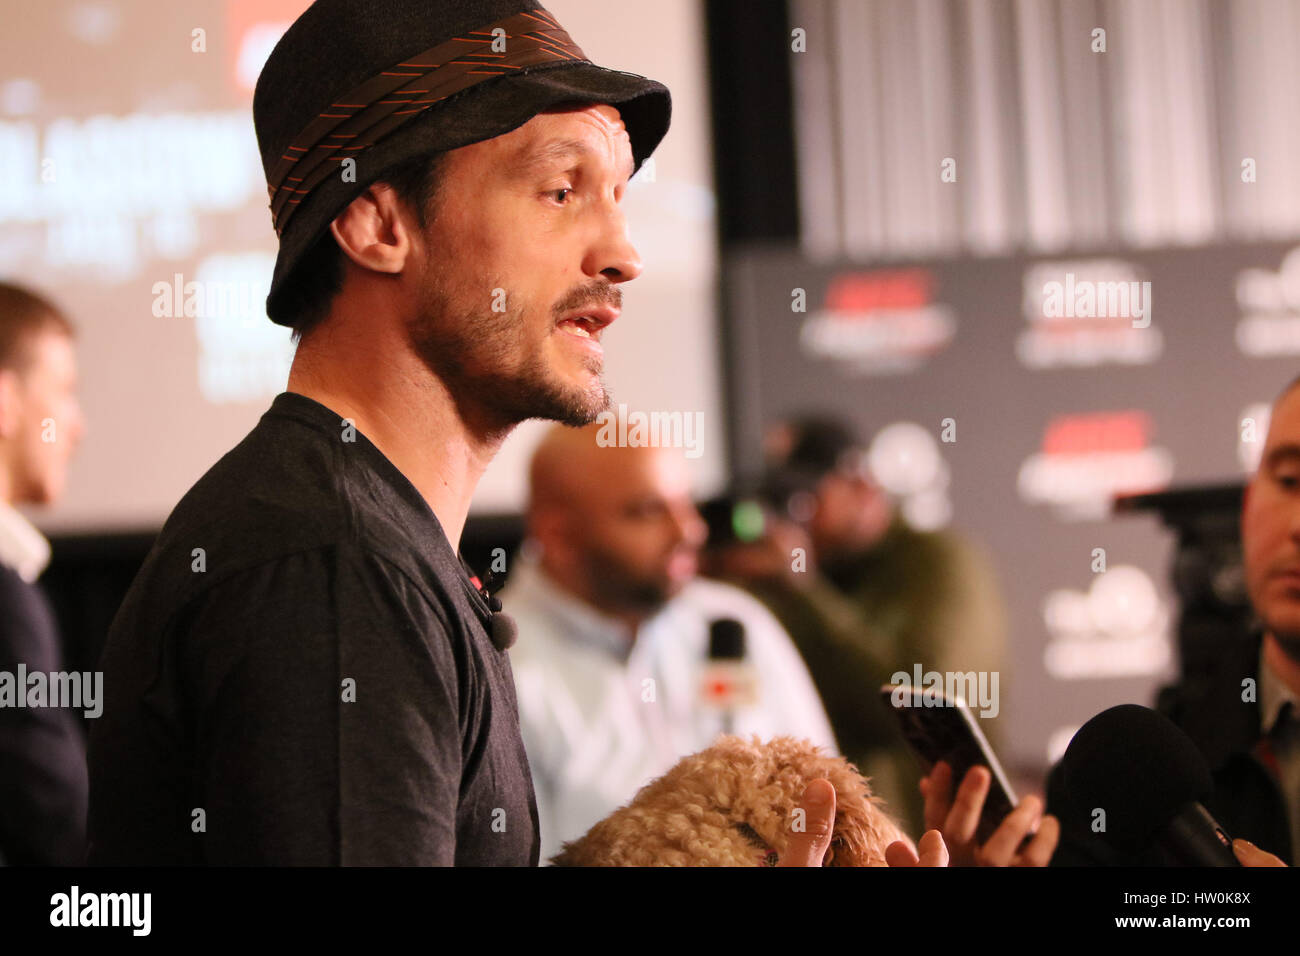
point(599, 293)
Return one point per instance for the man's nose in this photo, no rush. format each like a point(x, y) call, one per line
point(612, 255)
point(78, 424)
point(690, 527)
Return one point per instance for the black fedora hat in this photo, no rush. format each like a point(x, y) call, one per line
point(379, 82)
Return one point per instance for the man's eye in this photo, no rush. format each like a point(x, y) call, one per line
point(560, 194)
point(641, 511)
point(1289, 480)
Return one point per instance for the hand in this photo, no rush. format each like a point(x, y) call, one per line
point(808, 848)
point(770, 559)
point(958, 820)
point(783, 538)
point(1250, 855)
point(933, 851)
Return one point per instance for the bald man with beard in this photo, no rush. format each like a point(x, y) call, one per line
point(614, 633)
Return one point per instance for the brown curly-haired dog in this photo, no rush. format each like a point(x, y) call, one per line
point(733, 805)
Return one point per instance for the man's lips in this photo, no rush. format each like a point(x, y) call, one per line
point(1287, 578)
point(588, 323)
point(682, 565)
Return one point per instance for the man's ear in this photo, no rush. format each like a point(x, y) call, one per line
point(9, 401)
point(541, 524)
point(375, 230)
point(550, 527)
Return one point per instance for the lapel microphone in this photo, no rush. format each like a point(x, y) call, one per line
point(501, 626)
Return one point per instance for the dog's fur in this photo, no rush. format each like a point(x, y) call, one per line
point(733, 805)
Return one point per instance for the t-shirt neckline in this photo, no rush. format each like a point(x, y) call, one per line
point(322, 418)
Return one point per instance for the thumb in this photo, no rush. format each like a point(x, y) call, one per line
point(812, 825)
point(1250, 855)
point(933, 851)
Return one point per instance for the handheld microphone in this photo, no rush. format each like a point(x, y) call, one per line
point(1148, 781)
point(728, 682)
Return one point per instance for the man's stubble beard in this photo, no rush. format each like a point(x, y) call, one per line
point(619, 589)
point(1279, 620)
point(484, 357)
point(1288, 641)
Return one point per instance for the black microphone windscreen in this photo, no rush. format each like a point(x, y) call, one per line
point(1137, 766)
point(726, 640)
point(503, 630)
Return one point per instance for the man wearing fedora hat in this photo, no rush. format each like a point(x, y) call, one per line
point(304, 672)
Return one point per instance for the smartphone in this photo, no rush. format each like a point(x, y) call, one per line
point(940, 728)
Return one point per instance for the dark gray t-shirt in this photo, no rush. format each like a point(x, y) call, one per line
point(301, 674)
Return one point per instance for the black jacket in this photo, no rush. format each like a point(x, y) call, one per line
point(42, 750)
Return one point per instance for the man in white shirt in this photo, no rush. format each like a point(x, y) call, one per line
point(612, 660)
point(42, 752)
